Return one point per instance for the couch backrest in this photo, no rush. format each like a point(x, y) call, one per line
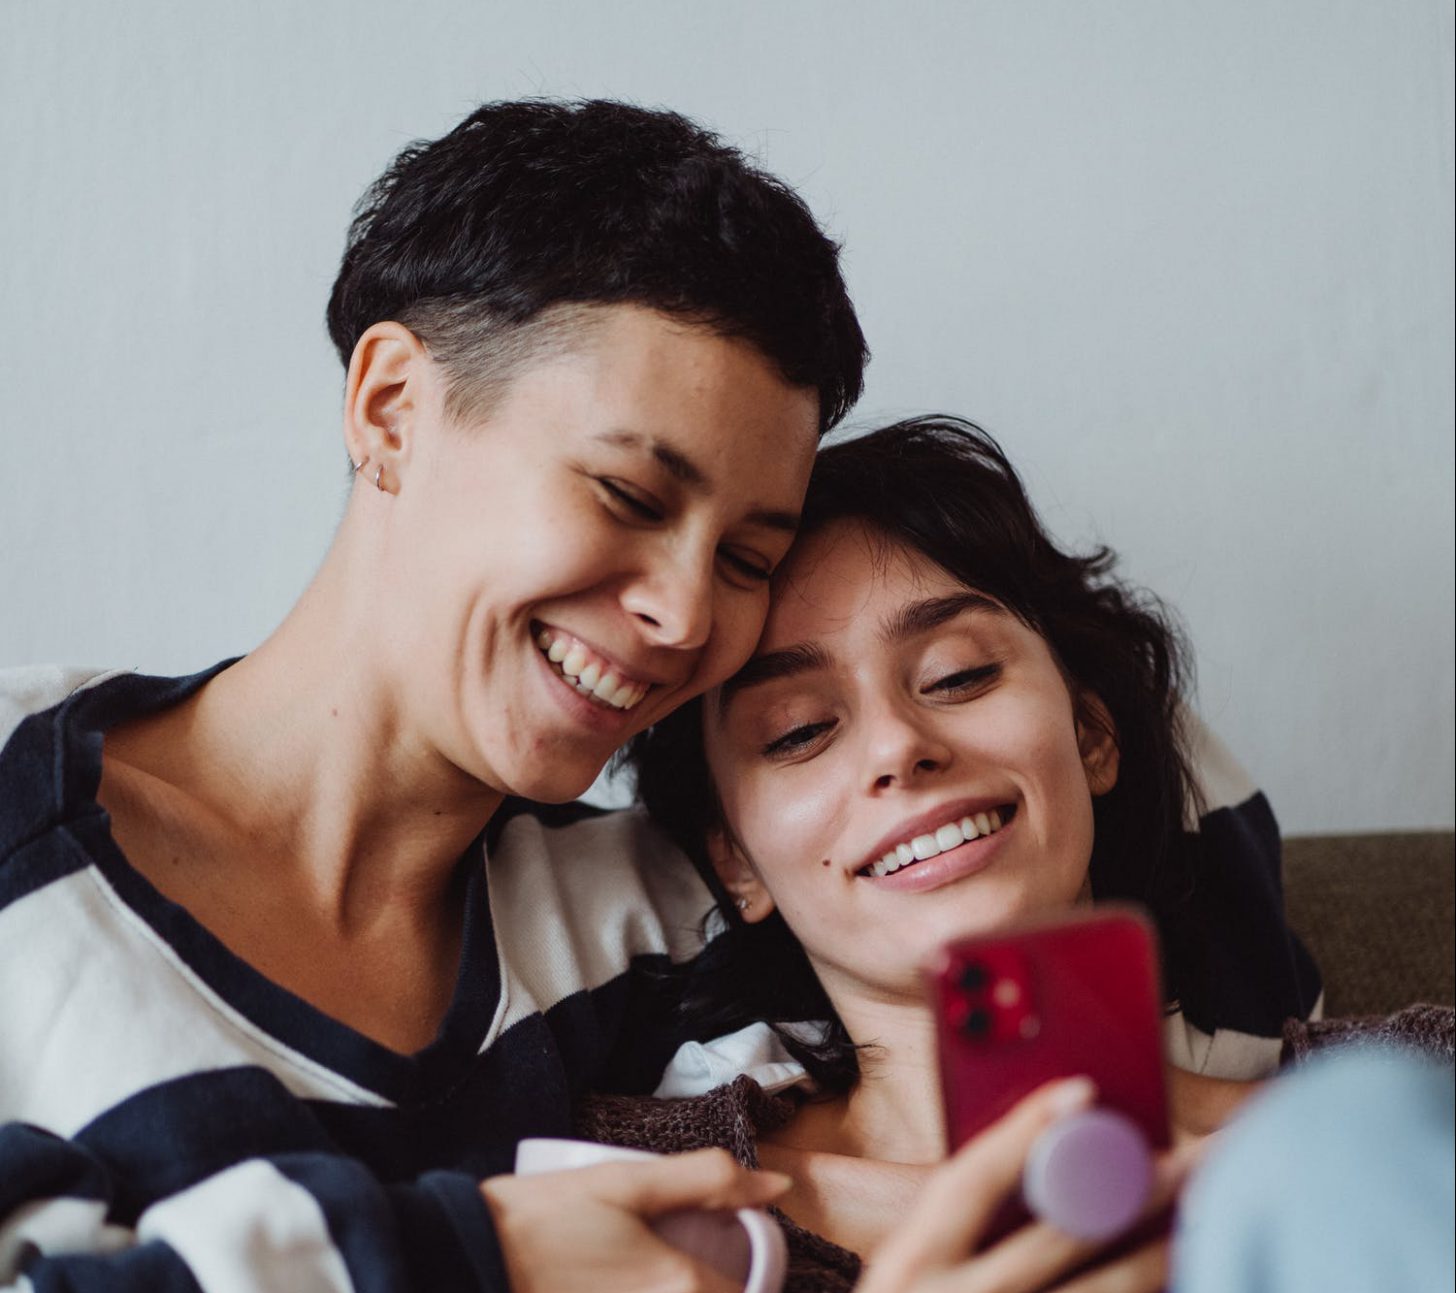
point(1378, 913)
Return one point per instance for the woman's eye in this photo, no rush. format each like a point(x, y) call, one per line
point(748, 567)
point(797, 738)
point(964, 680)
point(630, 500)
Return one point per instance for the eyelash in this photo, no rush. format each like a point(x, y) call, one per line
point(963, 680)
point(620, 495)
point(646, 512)
point(966, 679)
point(796, 739)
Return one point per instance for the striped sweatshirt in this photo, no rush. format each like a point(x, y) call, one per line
point(170, 1119)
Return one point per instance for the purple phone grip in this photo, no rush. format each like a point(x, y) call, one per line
point(1089, 1174)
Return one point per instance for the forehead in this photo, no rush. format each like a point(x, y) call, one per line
point(716, 402)
point(845, 579)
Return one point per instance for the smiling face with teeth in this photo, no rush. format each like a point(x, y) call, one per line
point(902, 762)
point(592, 553)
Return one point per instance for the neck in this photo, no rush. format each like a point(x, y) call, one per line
point(893, 1114)
point(303, 747)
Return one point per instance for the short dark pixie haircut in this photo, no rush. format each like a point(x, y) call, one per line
point(943, 487)
point(488, 242)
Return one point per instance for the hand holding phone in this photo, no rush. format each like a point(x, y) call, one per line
point(1021, 1007)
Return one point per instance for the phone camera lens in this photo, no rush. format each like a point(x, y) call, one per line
point(977, 1022)
point(974, 977)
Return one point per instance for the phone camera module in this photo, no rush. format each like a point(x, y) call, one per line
point(974, 977)
point(977, 1023)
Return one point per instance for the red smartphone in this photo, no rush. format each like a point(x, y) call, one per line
point(1024, 1005)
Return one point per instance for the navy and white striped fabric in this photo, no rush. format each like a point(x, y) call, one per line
point(172, 1120)
point(1255, 973)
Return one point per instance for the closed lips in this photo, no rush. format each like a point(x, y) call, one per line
point(950, 835)
point(593, 677)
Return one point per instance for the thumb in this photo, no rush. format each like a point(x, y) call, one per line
point(705, 1178)
point(962, 1196)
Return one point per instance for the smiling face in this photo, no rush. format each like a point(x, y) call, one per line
point(609, 528)
point(900, 763)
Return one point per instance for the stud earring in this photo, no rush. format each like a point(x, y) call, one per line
point(741, 904)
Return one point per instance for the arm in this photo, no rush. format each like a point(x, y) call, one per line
point(298, 1220)
point(323, 1222)
point(1199, 1105)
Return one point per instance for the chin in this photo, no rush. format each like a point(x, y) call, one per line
point(553, 785)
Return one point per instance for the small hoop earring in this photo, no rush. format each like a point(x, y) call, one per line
point(741, 904)
point(377, 475)
point(357, 465)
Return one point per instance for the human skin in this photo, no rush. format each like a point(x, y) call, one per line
point(885, 732)
point(884, 697)
point(309, 804)
point(632, 492)
point(886, 700)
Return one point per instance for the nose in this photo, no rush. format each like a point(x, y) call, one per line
point(902, 748)
point(672, 598)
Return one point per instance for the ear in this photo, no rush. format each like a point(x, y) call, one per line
point(753, 901)
point(390, 373)
point(1097, 743)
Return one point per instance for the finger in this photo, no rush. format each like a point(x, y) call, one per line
point(1171, 1172)
point(1029, 1258)
point(705, 1178)
point(1038, 1252)
point(1142, 1271)
point(962, 1195)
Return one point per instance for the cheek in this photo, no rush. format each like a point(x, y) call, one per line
point(785, 824)
point(738, 618)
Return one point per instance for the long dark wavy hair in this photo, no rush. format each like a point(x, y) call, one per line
point(944, 487)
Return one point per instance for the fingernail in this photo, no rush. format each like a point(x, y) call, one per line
point(776, 1181)
point(1072, 1094)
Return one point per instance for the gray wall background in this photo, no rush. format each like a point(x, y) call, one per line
point(1191, 262)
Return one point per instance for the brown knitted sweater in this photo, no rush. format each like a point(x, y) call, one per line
point(733, 1117)
point(1426, 1030)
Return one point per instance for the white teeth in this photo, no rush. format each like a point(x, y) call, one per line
point(946, 837)
point(590, 677)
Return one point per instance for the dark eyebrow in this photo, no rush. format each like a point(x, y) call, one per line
point(921, 617)
point(679, 466)
point(684, 470)
point(792, 660)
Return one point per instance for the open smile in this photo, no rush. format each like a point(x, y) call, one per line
point(924, 844)
point(588, 673)
point(941, 839)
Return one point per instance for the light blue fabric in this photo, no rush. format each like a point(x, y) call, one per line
point(1339, 1179)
